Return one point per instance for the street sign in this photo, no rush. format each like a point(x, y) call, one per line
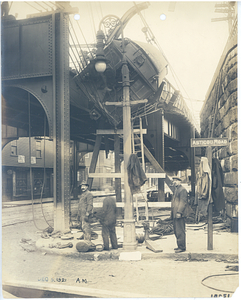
point(209, 142)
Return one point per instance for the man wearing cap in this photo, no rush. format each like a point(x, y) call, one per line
point(179, 203)
point(107, 218)
point(85, 209)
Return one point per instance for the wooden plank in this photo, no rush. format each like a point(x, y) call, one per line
point(156, 175)
point(140, 204)
point(157, 167)
point(134, 102)
point(121, 175)
point(152, 246)
point(94, 158)
point(117, 131)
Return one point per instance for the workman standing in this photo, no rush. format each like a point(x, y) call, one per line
point(85, 209)
point(107, 218)
point(179, 204)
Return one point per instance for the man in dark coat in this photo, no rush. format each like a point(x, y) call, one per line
point(136, 175)
point(107, 217)
point(85, 210)
point(179, 203)
point(217, 185)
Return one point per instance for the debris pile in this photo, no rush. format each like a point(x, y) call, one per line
point(163, 227)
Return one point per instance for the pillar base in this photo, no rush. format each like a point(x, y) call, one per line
point(129, 241)
point(136, 255)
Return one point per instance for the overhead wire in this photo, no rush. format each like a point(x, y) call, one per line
point(152, 38)
point(82, 66)
point(83, 55)
point(40, 5)
point(93, 20)
point(73, 61)
point(32, 6)
point(57, 4)
point(92, 85)
point(101, 12)
point(84, 39)
point(47, 3)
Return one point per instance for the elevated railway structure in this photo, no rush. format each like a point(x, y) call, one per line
point(44, 95)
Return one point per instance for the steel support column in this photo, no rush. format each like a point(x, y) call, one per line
point(61, 120)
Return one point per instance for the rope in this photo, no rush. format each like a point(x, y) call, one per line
point(30, 167)
point(41, 195)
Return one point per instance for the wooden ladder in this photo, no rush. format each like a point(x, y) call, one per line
point(138, 149)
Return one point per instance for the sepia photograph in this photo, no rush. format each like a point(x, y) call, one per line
point(119, 151)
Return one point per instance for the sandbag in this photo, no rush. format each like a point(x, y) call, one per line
point(85, 246)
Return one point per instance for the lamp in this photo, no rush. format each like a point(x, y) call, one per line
point(100, 64)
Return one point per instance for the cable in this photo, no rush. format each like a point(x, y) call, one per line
point(217, 276)
point(41, 195)
point(41, 5)
point(85, 40)
point(46, 3)
point(101, 10)
point(32, 6)
point(84, 65)
point(93, 20)
point(152, 38)
point(58, 5)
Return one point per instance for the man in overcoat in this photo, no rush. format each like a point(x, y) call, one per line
point(85, 209)
point(107, 218)
point(179, 204)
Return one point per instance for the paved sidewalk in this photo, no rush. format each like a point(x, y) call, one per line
point(225, 245)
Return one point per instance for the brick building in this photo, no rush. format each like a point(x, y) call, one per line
point(220, 109)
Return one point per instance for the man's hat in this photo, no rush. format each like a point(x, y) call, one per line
point(84, 182)
point(176, 178)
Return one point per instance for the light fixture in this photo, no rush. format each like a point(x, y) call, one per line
point(100, 64)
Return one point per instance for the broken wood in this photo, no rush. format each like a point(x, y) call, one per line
point(151, 246)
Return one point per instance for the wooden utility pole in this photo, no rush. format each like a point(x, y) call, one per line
point(192, 163)
point(160, 151)
point(129, 242)
point(117, 170)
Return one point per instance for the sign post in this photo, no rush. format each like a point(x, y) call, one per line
point(209, 143)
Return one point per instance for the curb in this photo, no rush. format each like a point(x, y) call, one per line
point(115, 254)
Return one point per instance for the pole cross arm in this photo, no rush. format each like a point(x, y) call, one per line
point(117, 131)
point(134, 102)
